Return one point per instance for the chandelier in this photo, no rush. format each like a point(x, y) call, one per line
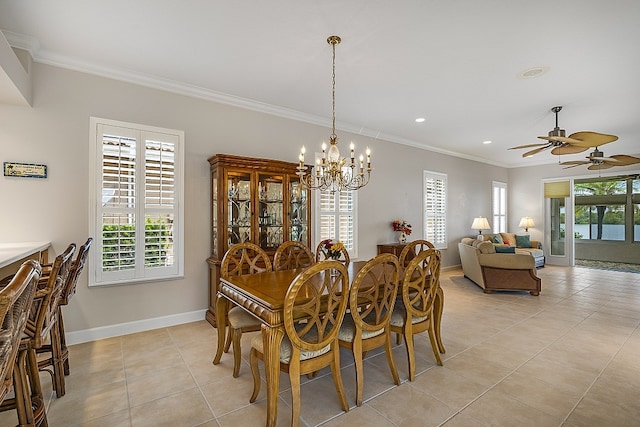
point(332, 172)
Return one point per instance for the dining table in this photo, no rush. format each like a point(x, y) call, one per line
point(13, 254)
point(263, 295)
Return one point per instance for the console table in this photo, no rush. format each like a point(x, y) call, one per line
point(391, 248)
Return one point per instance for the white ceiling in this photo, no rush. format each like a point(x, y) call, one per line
point(457, 63)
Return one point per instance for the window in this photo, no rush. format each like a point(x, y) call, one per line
point(136, 203)
point(600, 209)
point(335, 218)
point(499, 207)
point(435, 208)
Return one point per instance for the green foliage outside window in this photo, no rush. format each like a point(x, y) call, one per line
point(118, 250)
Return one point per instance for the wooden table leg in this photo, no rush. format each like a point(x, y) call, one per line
point(221, 320)
point(272, 339)
point(438, 308)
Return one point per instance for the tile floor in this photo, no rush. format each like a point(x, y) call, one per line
point(570, 357)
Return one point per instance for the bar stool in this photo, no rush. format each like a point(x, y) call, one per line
point(16, 300)
point(68, 290)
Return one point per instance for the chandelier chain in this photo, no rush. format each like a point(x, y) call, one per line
point(333, 91)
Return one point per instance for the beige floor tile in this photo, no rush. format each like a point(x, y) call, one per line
point(408, 406)
point(496, 408)
point(162, 383)
point(150, 359)
point(188, 408)
point(228, 394)
point(118, 419)
point(461, 420)
point(255, 415)
point(449, 387)
point(546, 397)
point(362, 416)
point(78, 406)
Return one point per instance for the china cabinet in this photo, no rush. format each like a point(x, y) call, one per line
point(254, 200)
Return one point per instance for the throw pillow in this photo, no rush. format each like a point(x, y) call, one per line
point(523, 241)
point(509, 238)
point(498, 239)
point(505, 250)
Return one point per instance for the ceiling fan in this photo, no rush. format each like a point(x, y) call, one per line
point(597, 161)
point(561, 144)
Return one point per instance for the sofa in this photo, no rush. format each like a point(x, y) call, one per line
point(495, 271)
point(520, 243)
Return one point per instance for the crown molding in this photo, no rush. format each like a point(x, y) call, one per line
point(51, 58)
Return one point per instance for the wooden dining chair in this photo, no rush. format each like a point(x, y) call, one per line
point(291, 255)
point(412, 249)
point(68, 290)
point(408, 253)
point(367, 325)
point(414, 313)
point(16, 300)
point(242, 258)
point(321, 255)
point(314, 307)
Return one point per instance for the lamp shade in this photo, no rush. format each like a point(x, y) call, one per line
point(480, 223)
point(526, 222)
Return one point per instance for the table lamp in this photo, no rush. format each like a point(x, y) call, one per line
point(526, 222)
point(480, 223)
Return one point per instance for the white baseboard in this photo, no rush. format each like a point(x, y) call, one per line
point(93, 334)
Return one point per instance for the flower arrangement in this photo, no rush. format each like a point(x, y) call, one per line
point(402, 226)
point(332, 250)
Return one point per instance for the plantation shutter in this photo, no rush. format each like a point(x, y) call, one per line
point(435, 208)
point(336, 218)
point(136, 231)
point(499, 207)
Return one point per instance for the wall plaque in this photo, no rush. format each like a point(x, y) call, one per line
point(25, 170)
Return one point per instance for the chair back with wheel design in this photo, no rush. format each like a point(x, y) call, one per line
point(414, 313)
point(412, 249)
point(322, 255)
point(77, 266)
point(291, 255)
point(420, 283)
point(244, 258)
point(367, 325)
point(314, 307)
point(312, 292)
point(15, 303)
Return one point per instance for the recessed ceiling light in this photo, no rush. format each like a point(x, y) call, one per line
point(420, 119)
point(533, 72)
point(486, 142)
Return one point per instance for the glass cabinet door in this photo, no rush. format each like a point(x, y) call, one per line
point(238, 207)
point(270, 211)
point(298, 214)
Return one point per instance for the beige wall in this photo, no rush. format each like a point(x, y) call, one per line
point(55, 131)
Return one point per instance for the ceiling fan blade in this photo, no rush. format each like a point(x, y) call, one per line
point(576, 162)
point(527, 146)
point(592, 139)
point(571, 166)
point(625, 160)
point(614, 162)
point(599, 167)
point(568, 149)
point(536, 151)
point(561, 139)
